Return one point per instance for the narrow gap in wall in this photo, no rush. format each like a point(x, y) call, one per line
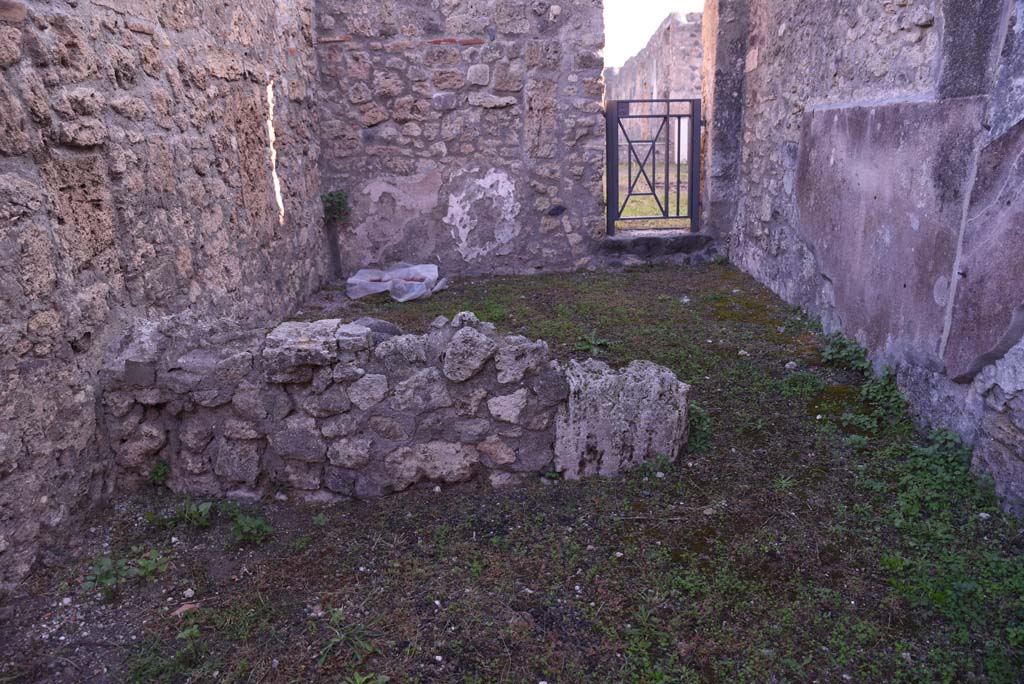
point(272, 134)
point(653, 60)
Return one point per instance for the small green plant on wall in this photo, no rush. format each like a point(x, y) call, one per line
point(337, 209)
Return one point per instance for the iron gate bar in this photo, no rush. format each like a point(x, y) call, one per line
point(643, 164)
point(619, 110)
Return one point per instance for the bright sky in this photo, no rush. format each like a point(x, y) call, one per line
point(629, 24)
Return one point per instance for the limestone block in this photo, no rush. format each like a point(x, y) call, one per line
point(509, 408)
point(479, 74)
point(147, 441)
point(331, 402)
point(352, 337)
point(467, 353)
point(424, 391)
point(238, 460)
point(617, 420)
point(350, 453)
point(295, 345)
point(490, 101)
point(434, 461)
point(497, 451)
point(518, 356)
point(299, 440)
point(368, 391)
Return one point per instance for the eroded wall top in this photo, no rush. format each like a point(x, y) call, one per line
point(669, 66)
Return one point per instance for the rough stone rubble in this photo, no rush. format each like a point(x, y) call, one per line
point(326, 409)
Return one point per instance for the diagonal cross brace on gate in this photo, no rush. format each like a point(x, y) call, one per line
point(677, 121)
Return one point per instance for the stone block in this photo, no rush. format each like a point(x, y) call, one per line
point(467, 353)
point(238, 460)
point(509, 408)
point(519, 356)
point(299, 440)
point(352, 453)
point(13, 11)
point(478, 74)
point(617, 420)
point(434, 461)
point(294, 345)
point(331, 402)
point(424, 391)
point(368, 391)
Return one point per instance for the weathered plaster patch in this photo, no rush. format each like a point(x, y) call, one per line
point(419, 192)
point(483, 215)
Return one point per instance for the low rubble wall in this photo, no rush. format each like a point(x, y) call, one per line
point(326, 409)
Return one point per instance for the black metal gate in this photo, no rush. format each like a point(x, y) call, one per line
point(639, 129)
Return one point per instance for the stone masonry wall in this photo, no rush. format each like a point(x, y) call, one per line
point(136, 181)
point(669, 66)
point(879, 186)
point(324, 409)
point(468, 133)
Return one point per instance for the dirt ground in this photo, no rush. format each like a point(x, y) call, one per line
point(810, 533)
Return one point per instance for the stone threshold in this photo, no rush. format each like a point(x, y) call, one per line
point(651, 244)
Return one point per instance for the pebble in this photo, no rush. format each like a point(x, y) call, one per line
point(660, 475)
point(66, 601)
point(744, 352)
point(984, 516)
point(792, 365)
point(188, 593)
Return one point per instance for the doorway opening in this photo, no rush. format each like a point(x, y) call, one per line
point(653, 116)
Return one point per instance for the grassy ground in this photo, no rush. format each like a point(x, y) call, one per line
point(809, 535)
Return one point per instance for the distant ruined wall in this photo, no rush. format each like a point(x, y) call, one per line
point(669, 66)
point(136, 183)
point(877, 182)
point(467, 134)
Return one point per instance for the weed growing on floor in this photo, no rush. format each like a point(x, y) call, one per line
point(148, 564)
point(801, 386)
point(249, 529)
point(159, 473)
point(195, 515)
point(701, 430)
point(108, 573)
point(105, 576)
point(844, 352)
point(884, 396)
point(591, 344)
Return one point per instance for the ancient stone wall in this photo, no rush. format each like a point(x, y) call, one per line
point(324, 409)
point(468, 134)
point(138, 143)
point(878, 185)
point(669, 66)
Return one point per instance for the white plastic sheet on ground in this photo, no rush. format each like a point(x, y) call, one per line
point(405, 282)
